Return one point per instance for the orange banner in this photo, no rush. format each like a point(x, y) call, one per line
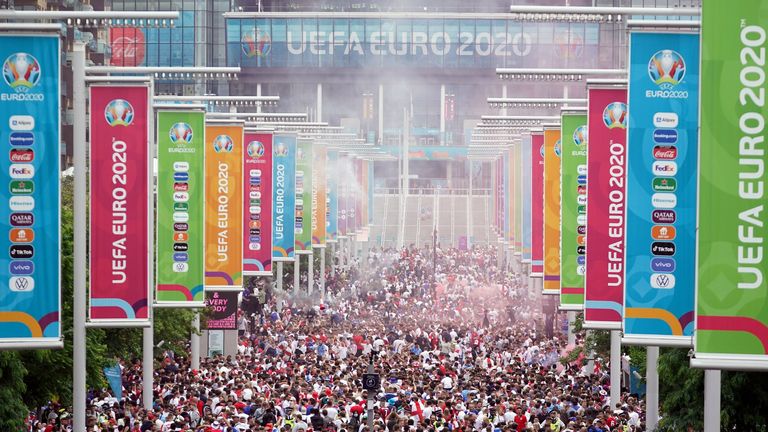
point(223, 206)
point(552, 150)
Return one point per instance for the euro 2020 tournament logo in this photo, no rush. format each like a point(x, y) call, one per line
point(255, 149)
point(615, 115)
point(580, 135)
point(180, 133)
point(558, 150)
point(223, 144)
point(281, 150)
point(256, 43)
point(118, 112)
point(21, 71)
point(666, 68)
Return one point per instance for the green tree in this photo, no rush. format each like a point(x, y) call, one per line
point(744, 397)
point(12, 409)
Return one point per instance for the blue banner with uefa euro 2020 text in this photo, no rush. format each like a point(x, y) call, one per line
point(526, 163)
point(283, 196)
point(332, 221)
point(30, 192)
point(661, 188)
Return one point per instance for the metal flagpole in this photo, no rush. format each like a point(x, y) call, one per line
point(310, 271)
point(615, 367)
point(147, 362)
point(571, 332)
point(469, 208)
point(80, 240)
point(195, 342)
point(322, 275)
point(712, 379)
point(652, 389)
point(279, 275)
point(296, 270)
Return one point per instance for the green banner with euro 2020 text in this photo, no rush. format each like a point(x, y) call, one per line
point(304, 197)
point(573, 213)
point(180, 199)
point(732, 288)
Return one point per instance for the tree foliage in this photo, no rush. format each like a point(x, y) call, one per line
point(744, 396)
point(12, 409)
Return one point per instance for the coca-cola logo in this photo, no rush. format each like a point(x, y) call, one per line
point(128, 47)
point(665, 152)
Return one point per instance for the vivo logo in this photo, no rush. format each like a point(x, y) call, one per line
point(665, 120)
point(663, 265)
point(21, 268)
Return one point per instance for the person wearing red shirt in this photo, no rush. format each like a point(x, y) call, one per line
point(520, 419)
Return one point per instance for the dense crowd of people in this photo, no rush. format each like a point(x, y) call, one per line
point(459, 343)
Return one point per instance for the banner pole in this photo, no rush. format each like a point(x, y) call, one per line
point(296, 271)
point(615, 368)
point(147, 363)
point(571, 333)
point(310, 271)
point(195, 342)
point(469, 208)
point(80, 240)
point(322, 275)
point(712, 400)
point(652, 389)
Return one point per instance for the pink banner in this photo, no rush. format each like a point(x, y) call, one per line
point(257, 204)
point(606, 167)
point(120, 256)
point(537, 204)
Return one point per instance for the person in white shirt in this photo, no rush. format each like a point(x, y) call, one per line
point(447, 382)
